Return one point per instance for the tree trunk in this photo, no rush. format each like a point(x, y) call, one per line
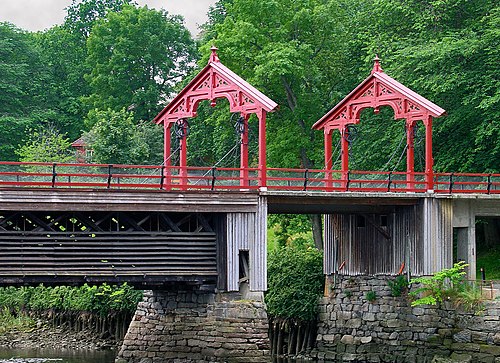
point(292, 338)
point(317, 229)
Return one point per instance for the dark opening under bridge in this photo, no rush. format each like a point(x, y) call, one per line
point(154, 225)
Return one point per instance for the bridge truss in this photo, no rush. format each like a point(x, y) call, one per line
point(142, 248)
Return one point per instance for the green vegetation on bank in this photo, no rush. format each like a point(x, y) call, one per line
point(489, 260)
point(103, 299)
point(10, 321)
point(447, 285)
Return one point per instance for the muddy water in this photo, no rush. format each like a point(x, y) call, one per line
point(56, 356)
point(81, 356)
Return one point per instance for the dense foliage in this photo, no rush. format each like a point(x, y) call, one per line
point(447, 284)
point(103, 299)
point(306, 55)
point(108, 54)
point(296, 281)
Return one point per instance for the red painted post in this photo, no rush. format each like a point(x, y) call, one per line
point(183, 158)
point(262, 148)
point(167, 154)
point(244, 181)
point(344, 144)
point(328, 159)
point(410, 154)
point(429, 173)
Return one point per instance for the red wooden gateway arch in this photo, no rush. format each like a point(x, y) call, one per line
point(215, 81)
point(377, 90)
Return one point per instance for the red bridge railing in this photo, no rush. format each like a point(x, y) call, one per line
point(60, 175)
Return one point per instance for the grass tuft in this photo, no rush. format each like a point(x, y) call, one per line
point(10, 322)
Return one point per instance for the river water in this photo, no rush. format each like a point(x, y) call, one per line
point(56, 356)
point(78, 356)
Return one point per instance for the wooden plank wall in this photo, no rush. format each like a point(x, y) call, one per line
point(437, 230)
point(240, 235)
point(145, 248)
point(258, 250)
point(107, 253)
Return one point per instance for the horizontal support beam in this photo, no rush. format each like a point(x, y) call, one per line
point(119, 201)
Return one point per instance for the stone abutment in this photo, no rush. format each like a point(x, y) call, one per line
point(187, 325)
point(388, 329)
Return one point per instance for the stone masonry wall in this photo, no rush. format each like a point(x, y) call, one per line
point(388, 329)
point(196, 326)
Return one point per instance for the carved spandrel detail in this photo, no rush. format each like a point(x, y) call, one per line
point(370, 92)
point(411, 107)
point(181, 107)
point(205, 84)
point(220, 82)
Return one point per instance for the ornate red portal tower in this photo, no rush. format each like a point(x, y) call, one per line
point(381, 90)
point(213, 82)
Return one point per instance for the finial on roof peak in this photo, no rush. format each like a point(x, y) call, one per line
point(376, 64)
point(213, 56)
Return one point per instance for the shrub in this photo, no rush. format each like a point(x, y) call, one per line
point(101, 299)
point(436, 287)
point(398, 285)
point(371, 296)
point(296, 281)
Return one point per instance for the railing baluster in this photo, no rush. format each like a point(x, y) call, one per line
point(306, 179)
point(162, 176)
point(54, 174)
point(389, 182)
point(451, 183)
point(109, 175)
point(348, 181)
point(489, 183)
point(214, 177)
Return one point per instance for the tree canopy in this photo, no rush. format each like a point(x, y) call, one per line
point(306, 55)
point(135, 57)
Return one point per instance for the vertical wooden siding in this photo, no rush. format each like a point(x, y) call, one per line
point(437, 229)
point(247, 232)
point(421, 236)
point(371, 243)
point(258, 250)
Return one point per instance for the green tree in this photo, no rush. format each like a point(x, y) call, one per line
point(116, 139)
point(22, 80)
point(447, 51)
point(82, 15)
point(293, 51)
point(63, 55)
point(135, 57)
point(46, 145)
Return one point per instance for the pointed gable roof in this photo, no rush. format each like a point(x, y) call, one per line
point(214, 81)
point(377, 90)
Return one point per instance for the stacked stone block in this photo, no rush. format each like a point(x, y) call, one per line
point(388, 329)
point(196, 326)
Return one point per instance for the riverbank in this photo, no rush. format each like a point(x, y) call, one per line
point(46, 337)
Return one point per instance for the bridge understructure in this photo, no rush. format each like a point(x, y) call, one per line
point(149, 240)
point(409, 233)
point(202, 255)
